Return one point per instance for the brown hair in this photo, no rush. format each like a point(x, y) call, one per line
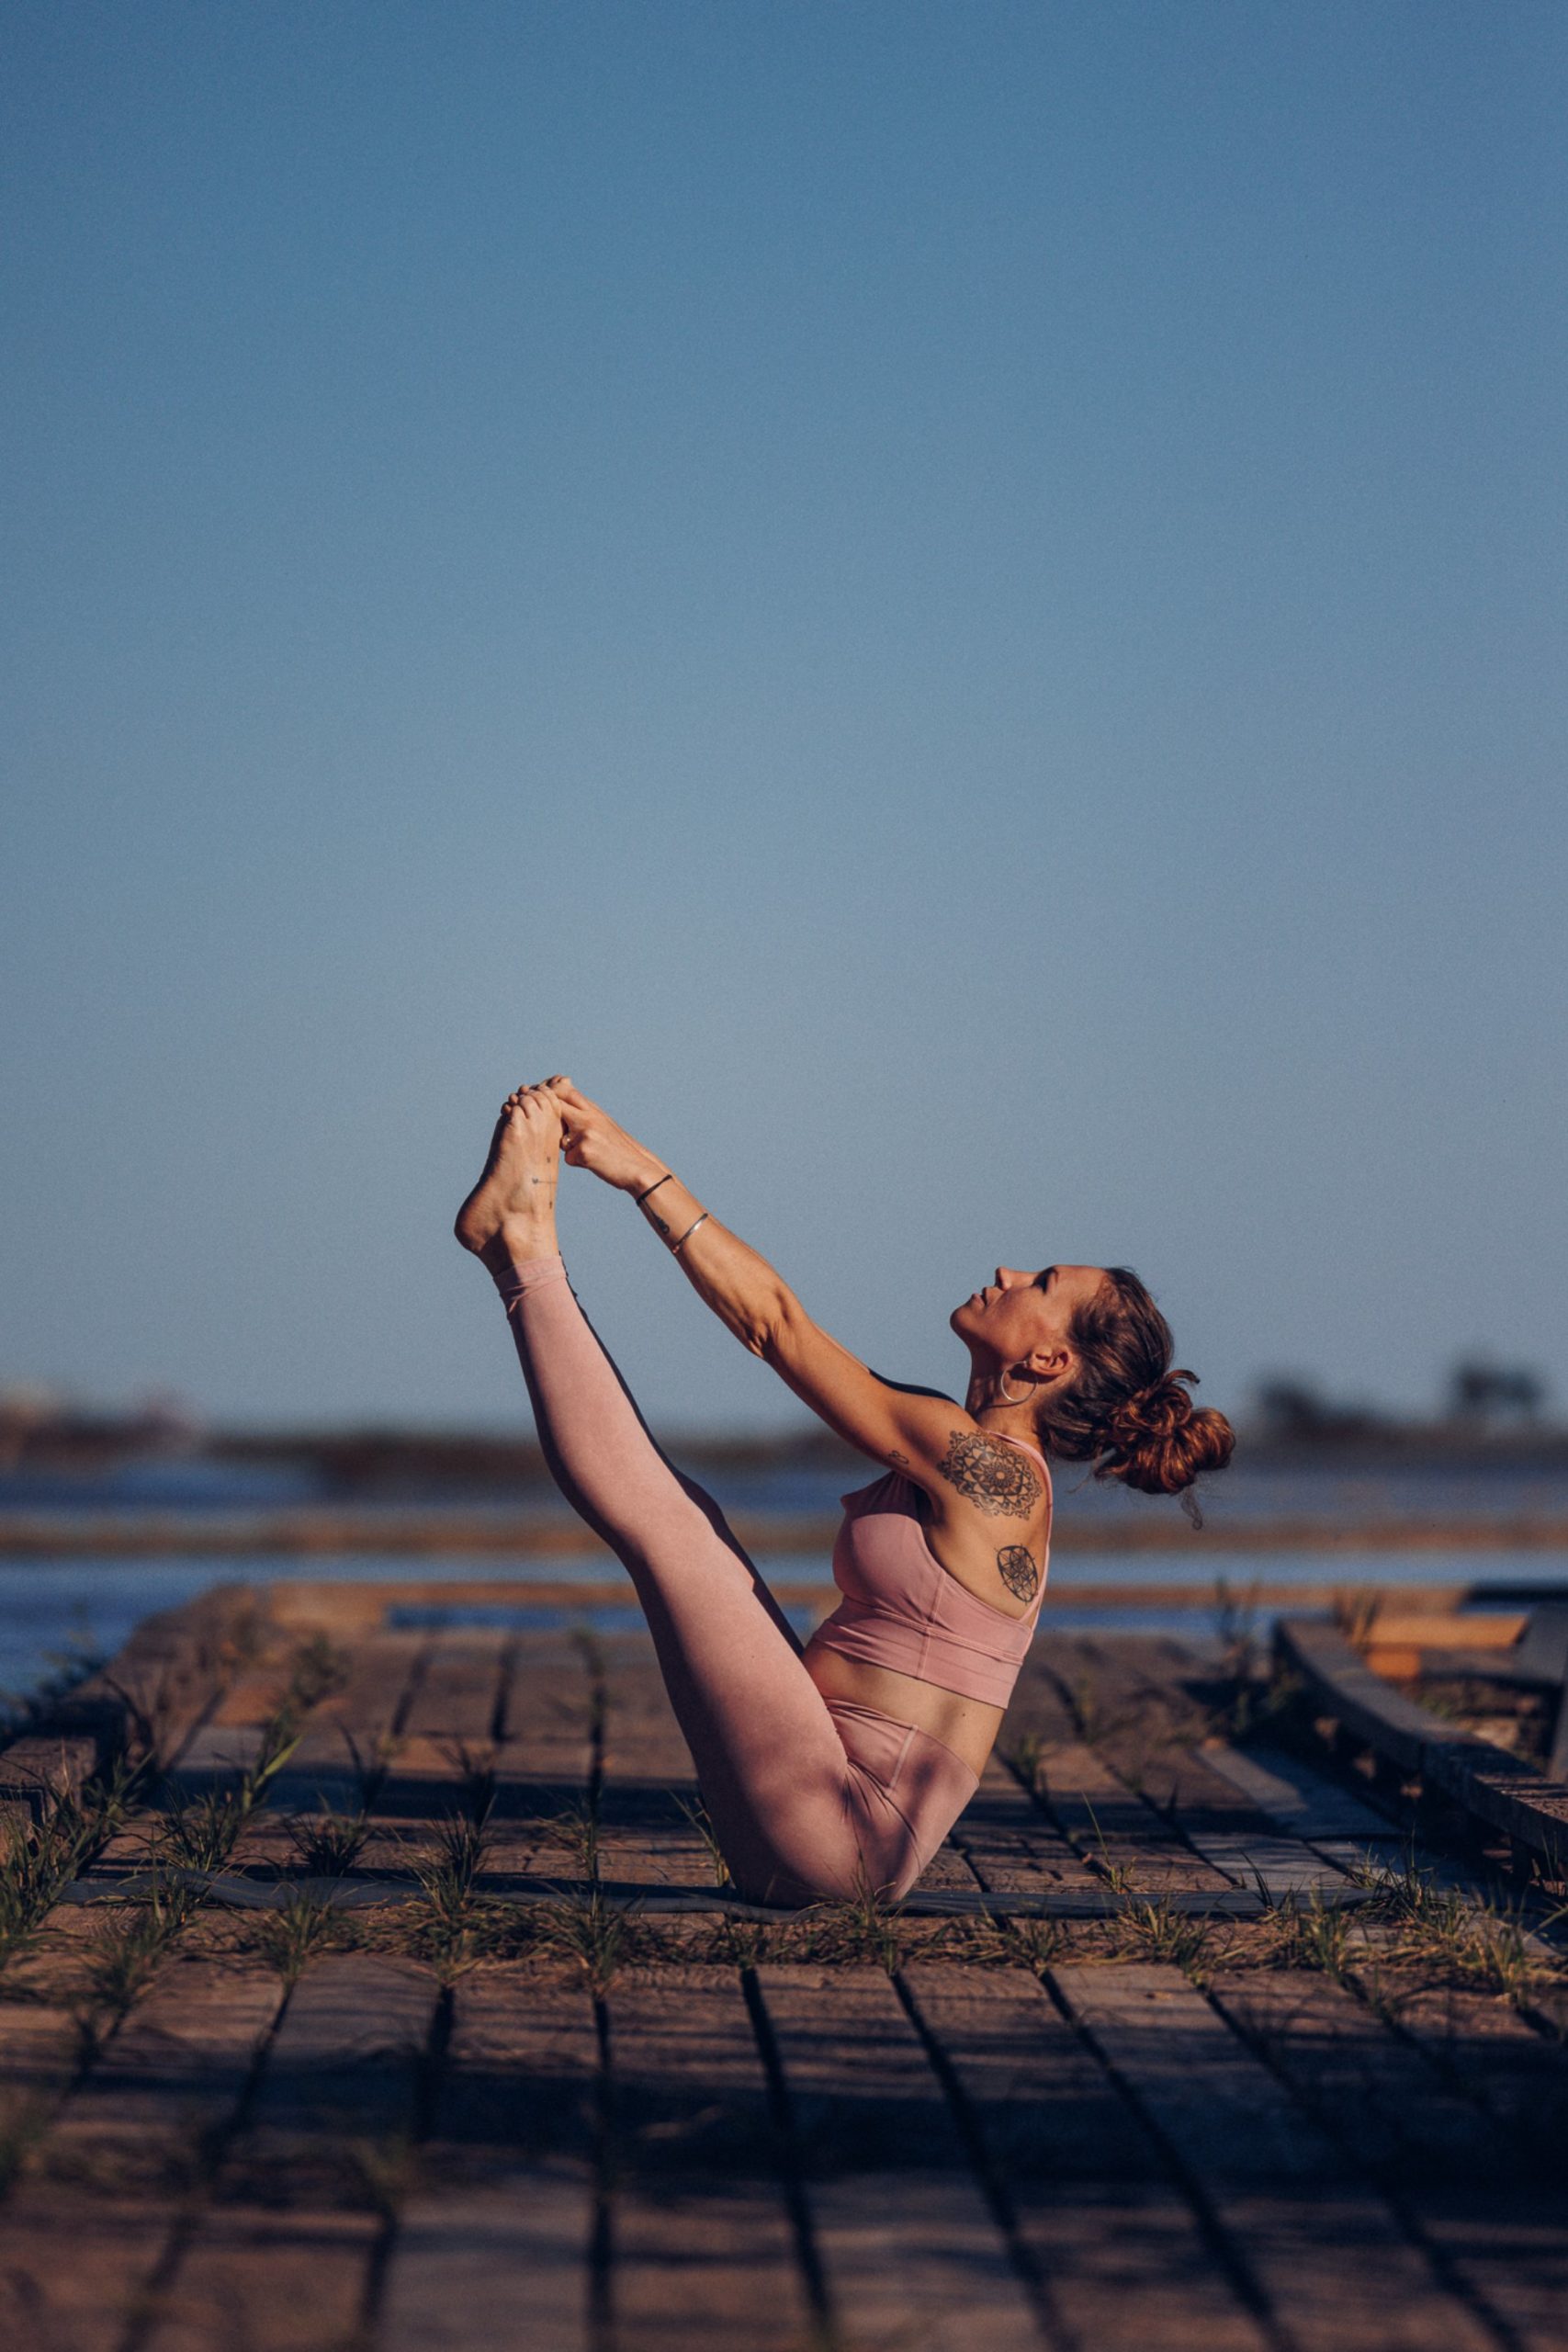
point(1125, 1403)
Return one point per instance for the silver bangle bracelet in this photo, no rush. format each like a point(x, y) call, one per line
point(676, 1246)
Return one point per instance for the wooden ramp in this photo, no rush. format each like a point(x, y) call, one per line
point(370, 1987)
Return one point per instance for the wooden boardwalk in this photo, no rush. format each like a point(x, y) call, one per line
point(392, 2004)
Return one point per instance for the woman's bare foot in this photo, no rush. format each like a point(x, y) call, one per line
point(510, 1215)
point(593, 1141)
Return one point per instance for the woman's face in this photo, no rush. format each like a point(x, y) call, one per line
point(1025, 1318)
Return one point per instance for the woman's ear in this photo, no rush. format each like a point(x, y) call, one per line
point(1050, 1364)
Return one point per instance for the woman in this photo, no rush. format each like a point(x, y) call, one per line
point(838, 1770)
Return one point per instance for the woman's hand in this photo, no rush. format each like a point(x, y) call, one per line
point(593, 1140)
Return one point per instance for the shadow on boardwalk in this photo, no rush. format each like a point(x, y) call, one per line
point(392, 2002)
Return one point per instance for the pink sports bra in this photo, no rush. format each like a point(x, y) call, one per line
point(903, 1609)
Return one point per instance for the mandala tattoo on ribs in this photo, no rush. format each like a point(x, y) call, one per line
point(1017, 1570)
point(1002, 1483)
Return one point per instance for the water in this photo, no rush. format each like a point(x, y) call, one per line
point(55, 1609)
point(91, 1602)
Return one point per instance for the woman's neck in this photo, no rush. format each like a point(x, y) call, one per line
point(999, 1419)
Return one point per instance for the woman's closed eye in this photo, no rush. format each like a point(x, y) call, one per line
point(1043, 1279)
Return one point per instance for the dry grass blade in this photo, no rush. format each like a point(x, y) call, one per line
point(37, 1861)
point(587, 1930)
point(1313, 1934)
point(289, 1936)
point(451, 1913)
point(328, 1844)
point(1155, 1930)
point(863, 1927)
point(697, 1815)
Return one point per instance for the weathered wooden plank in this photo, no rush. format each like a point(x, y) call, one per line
point(269, 2280)
point(1515, 2075)
point(546, 1715)
point(1009, 1846)
point(1326, 2254)
point(167, 1678)
point(1116, 1832)
point(642, 1739)
point(949, 1872)
point(1499, 1790)
point(1278, 1866)
point(83, 2231)
point(1341, 1682)
point(362, 1715)
point(170, 2077)
point(494, 2265)
point(1121, 2251)
point(649, 1791)
point(492, 2252)
point(38, 1771)
point(281, 2260)
point(911, 2251)
point(459, 1695)
point(1485, 2190)
point(1294, 1796)
point(702, 2250)
point(544, 1764)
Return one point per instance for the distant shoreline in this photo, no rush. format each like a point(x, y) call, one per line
point(539, 1535)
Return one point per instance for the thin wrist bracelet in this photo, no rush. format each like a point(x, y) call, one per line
point(676, 1246)
point(654, 1186)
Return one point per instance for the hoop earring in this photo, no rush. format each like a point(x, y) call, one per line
point(1002, 1385)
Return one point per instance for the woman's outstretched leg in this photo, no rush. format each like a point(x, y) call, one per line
point(768, 1755)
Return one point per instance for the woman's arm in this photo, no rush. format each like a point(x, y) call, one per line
point(935, 1440)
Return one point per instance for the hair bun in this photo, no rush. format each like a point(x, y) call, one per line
point(1153, 1413)
point(1163, 1441)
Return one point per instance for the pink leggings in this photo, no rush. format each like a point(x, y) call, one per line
point(807, 1798)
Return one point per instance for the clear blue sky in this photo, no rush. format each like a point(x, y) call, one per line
point(960, 610)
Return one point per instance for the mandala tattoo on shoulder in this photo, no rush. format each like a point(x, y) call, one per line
point(1002, 1483)
point(1017, 1570)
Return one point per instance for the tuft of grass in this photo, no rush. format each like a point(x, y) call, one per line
point(1313, 1934)
point(371, 1765)
point(697, 1815)
point(1119, 1877)
point(319, 1669)
point(203, 1832)
point(863, 1927)
point(586, 1928)
point(740, 1943)
point(123, 1958)
point(476, 1787)
point(576, 1831)
point(451, 1913)
point(289, 1936)
point(39, 1860)
point(1156, 1930)
point(1482, 1947)
point(328, 1844)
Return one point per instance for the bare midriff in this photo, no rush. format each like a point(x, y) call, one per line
point(966, 1725)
